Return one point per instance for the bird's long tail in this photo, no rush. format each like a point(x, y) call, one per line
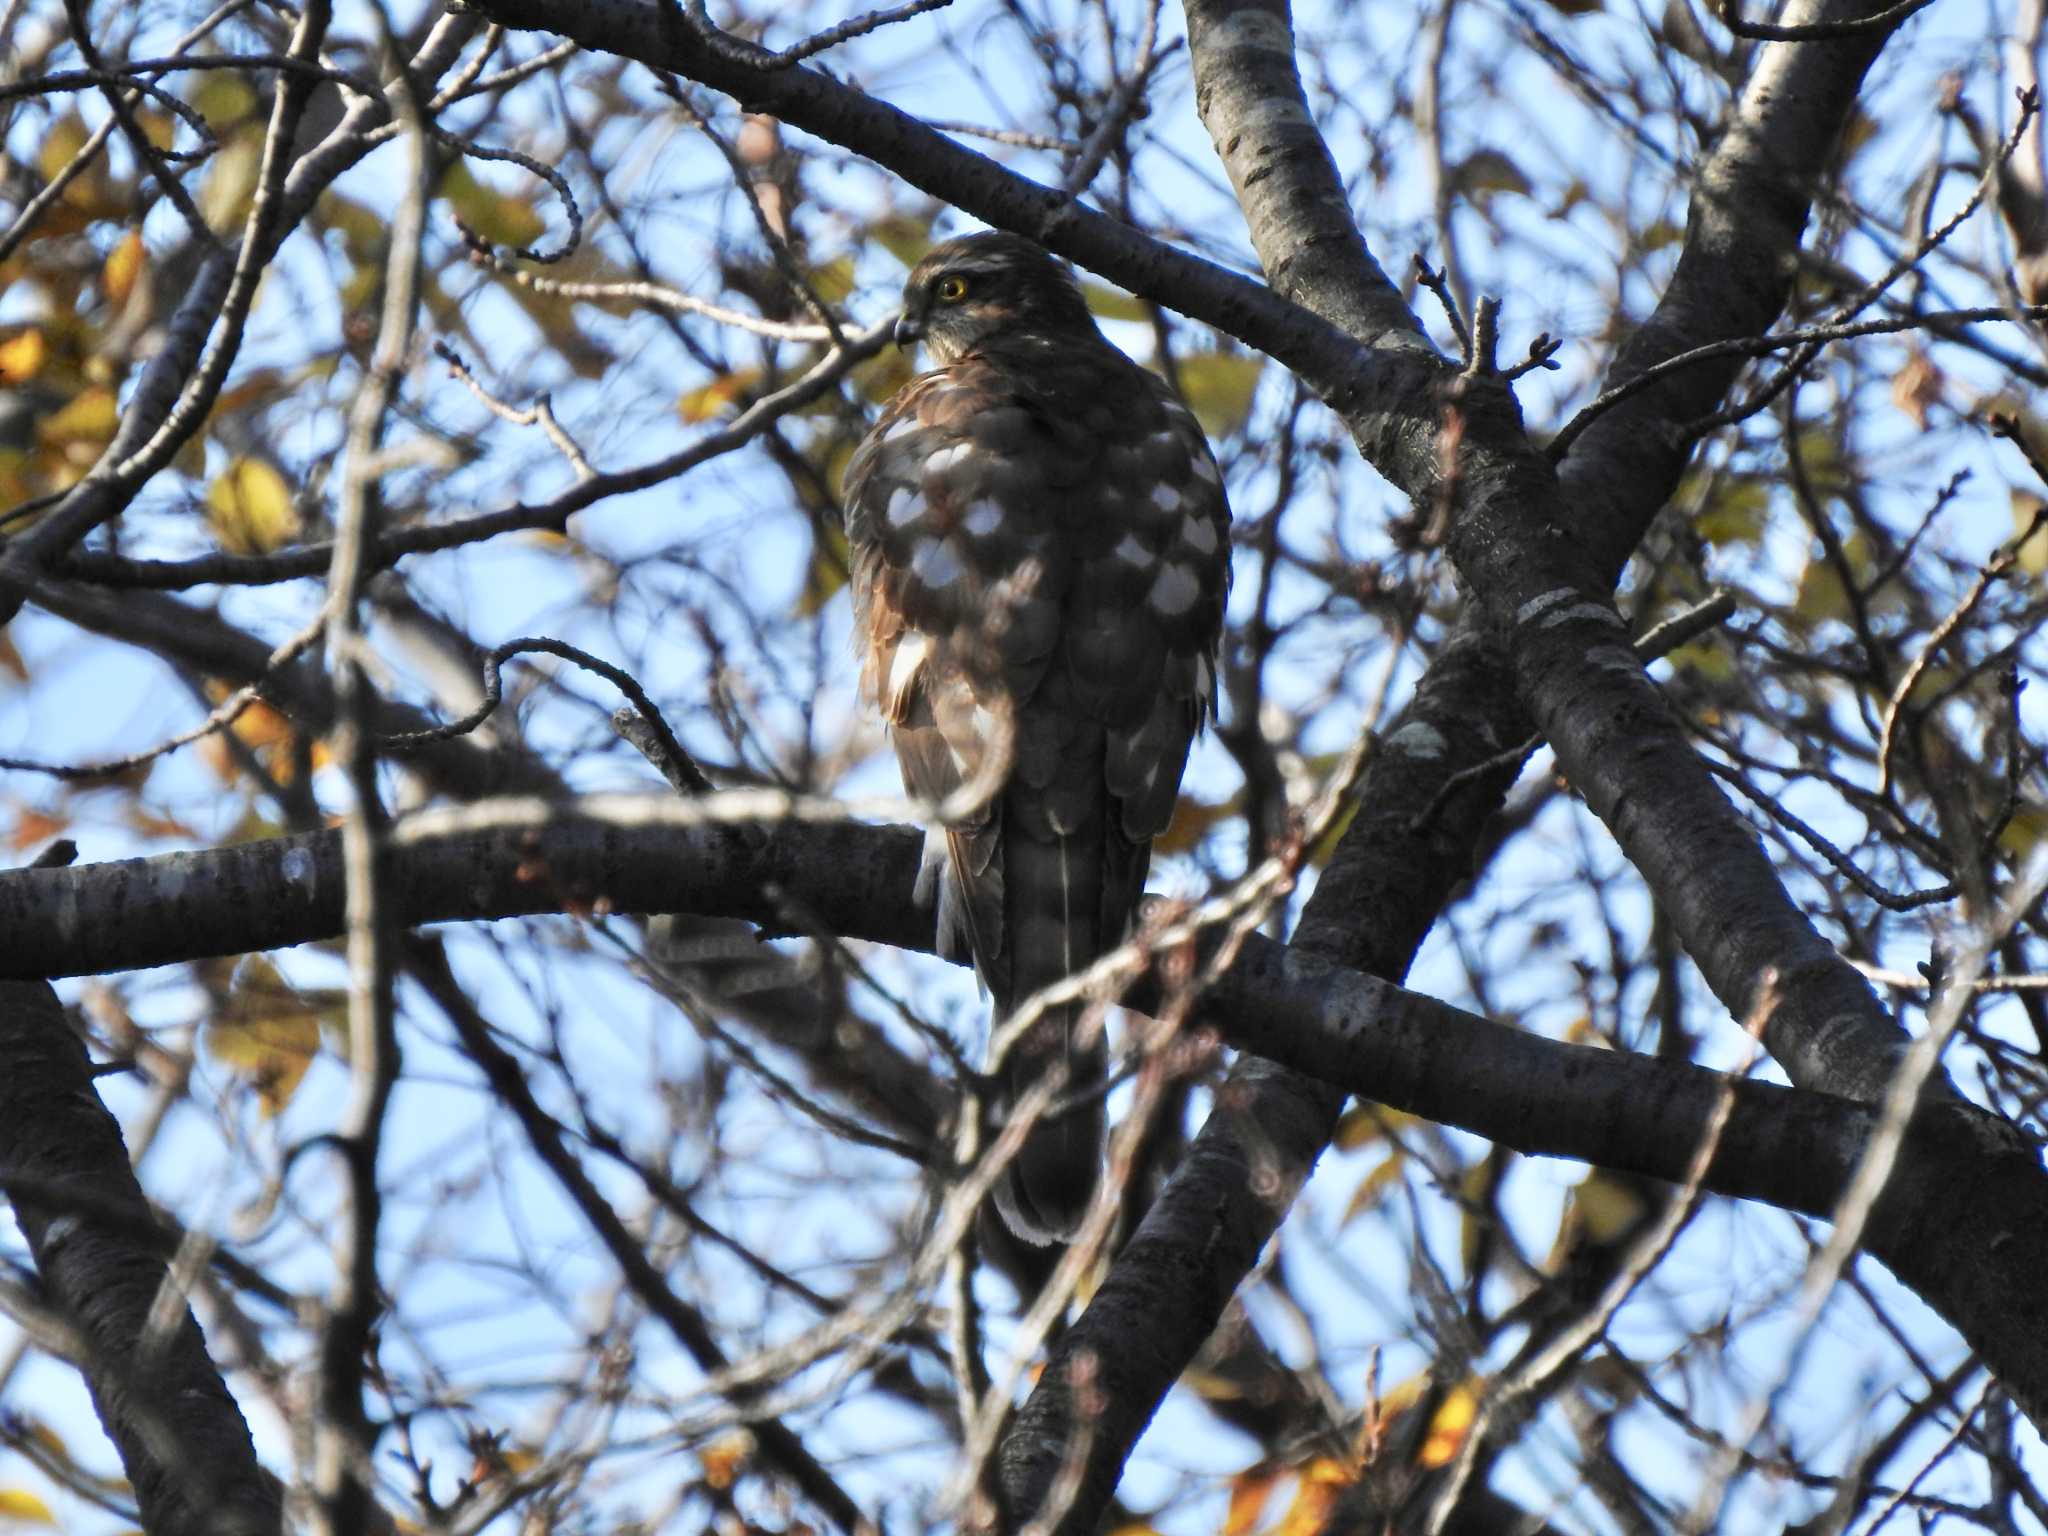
point(1054, 918)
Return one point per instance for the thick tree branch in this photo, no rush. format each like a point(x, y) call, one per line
point(1539, 585)
point(100, 1257)
point(644, 30)
point(1365, 905)
point(1965, 1222)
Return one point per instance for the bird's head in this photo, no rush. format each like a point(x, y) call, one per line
point(969, 289)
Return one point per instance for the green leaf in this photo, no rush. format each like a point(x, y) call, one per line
point(268, 1031)
point(827, 572)
point(2033, 554)
point(1107, 303)
point(498, 217)
point(250, 508)
point(832, 280)
point(1735, 511)
point(1218, 387)
point(1486, 172)
point(709, 400)
point(905, 236)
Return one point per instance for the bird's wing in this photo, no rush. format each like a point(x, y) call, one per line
point(956, 611)
point(1041, 555)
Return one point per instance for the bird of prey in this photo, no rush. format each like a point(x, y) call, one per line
point(1041, 554)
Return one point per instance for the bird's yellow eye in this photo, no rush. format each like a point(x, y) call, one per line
point(950, 290)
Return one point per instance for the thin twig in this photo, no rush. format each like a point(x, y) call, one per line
point(541, 413)
point(1437, 281)
point(741, 51)
point(1763, 31)
point(389, 547)
point(2004, 561)
point(1763, 346)
point(494, 689)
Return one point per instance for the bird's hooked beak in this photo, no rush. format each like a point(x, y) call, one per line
point(909, 330)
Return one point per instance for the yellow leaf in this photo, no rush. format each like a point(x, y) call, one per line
point(724, 1457)
point(1702, 659)
point(827, 572)
point(22, 356)
point(1486, 172)
point(122, 267)
point(1447, 1430)
point(2024, 832)
point(1659, 236)
point(62, 141)
point(151, 824)
point(1917, 386)
point(1249, 1491)
point(1316, 1491)
point(2033, 555)
point(1210, 1386)
point(1400, 1399)
point(1607, 1206)
point(224, 98)
point(1373, 1188)
point(905, 236)
point(709, 400)
point(832, 281)
point(88, 417)
point(879, 377)
point(32, 827)
point(250, 508)
point(160, 128)
point(1193, 820)
point(24, 1508)
point(266, 1031)
point(1734, 512)
point(500, 217)
point(1107, 303)
point(89, 191)
point(1218, 387)
point(360, 228)
point(1821, 595)
point(15, 482)
point(1364, 1123)
point(230, 184)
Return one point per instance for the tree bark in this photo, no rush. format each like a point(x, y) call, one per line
point(100, 1256)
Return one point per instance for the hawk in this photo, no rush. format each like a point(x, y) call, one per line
point(1041, 552)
